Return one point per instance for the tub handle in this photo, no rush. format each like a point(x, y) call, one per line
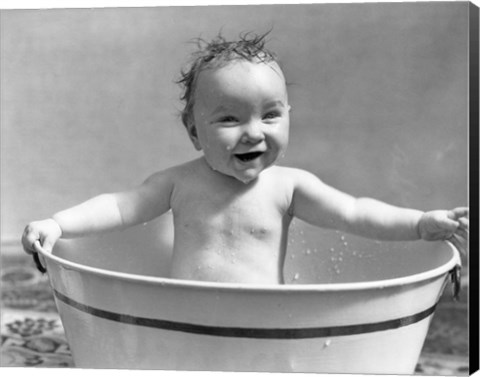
point(36, 258)
point(456, 274)
point(456, 279)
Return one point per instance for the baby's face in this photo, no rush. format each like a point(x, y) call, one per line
point(241, 118)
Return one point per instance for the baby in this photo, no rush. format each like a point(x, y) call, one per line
point(232, 207)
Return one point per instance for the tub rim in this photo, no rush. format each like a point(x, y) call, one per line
point(446, 267)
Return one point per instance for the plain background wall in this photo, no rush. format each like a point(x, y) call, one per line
point(379, 96)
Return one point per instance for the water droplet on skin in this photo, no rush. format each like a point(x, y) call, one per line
point(297, 275)
point(342, 238)
point(327, 343)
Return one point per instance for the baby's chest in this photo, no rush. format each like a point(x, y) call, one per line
point(255, 214)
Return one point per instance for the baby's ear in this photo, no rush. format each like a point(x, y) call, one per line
point(192, 132)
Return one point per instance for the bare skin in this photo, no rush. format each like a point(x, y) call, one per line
point(236, 235)
point(232, 207)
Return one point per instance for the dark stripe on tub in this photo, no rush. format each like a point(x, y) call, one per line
point(244, 332)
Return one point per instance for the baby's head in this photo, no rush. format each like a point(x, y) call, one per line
point(236, 105)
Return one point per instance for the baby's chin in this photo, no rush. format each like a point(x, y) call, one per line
point(249, 179)
point(241, 173)
point(244, 177)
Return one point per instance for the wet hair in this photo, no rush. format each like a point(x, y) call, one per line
point(215, 54)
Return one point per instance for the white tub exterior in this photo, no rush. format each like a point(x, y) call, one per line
point(121, 320)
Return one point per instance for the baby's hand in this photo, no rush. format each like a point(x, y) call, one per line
point(46, 232)
point(446, 225)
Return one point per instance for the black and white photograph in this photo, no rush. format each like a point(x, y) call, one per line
point(239, 188)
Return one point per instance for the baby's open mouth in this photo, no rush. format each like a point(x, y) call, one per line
point(248, 156)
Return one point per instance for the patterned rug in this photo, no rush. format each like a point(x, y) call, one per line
point(32, 333)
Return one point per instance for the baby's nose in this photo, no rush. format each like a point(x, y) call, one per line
point(252, 133)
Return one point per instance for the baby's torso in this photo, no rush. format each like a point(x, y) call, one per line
point(227, 231)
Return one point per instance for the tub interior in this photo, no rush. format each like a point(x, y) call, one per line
point(314, 256)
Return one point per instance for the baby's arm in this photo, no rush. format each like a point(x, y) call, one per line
point(322, 205)
point(103, 213)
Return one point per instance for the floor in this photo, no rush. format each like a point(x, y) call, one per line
point(32, 334)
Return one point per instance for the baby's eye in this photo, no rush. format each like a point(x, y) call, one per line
point(227, 119)
point(272, 115)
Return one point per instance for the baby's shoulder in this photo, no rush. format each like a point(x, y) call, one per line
point(171, 175)
point(177, 171)
point(290, 175)
point(294, 179)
